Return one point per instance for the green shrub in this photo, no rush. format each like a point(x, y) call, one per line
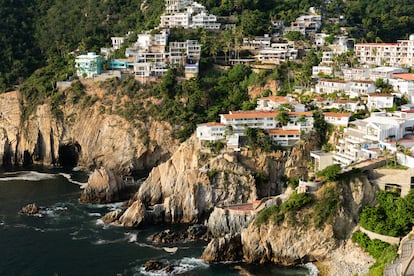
point(326, 207)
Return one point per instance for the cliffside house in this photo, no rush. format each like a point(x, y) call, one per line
point(337, 118)
point(211, 131)
point(88, 66)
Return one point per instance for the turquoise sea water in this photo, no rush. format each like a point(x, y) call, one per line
point(69, 238)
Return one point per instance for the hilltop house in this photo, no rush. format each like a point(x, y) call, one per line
point(327, 86)
point(337, 118)
point(88, 66)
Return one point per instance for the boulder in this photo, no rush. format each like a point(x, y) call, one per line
point(112, 217)
point(227, 248)
point(153, 265)
point(30, 209)
point(134, 216)
point(103, 187)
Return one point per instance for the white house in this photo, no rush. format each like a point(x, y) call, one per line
point(257, 42)
point(285, 137)
point(327, 86)
point(337, 118)
point(321, 70)
point(385, 73)
point(277, 53)
point(88, 65)
point(273, 103)
point(403, 83)
point(376, 100)
point(348, 105)
point(306, 24)
point(211, 131)
point(350, 74)
point(361, 87)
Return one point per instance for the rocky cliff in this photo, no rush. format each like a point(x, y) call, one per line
point(310, 234)
point(83, 136)
point(194, 180)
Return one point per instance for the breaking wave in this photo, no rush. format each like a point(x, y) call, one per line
point(181, 266)
point(27, 176)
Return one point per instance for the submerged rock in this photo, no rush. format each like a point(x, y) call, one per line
point(153, 265)
point(103, 187)
point(112, 217)
point(30, 209)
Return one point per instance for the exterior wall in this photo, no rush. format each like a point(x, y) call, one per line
point(330, 86)
point(325, 70)
point(210, 133)
point(380, 102)
point(373, 236)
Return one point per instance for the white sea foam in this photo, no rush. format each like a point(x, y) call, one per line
point(131, 237)
point(69, 178)
point(313, 270)
point(182, 266)
point(27, 176)
point(94, 214)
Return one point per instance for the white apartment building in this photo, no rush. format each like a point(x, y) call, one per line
point(150, 64)
point(174, 6)
point(391, 54)
point(327, 57)
point(380, 101)
point(204, 20)
point(361, 87)
point(385, 73)
point(240, 120)
point(337, 119)
point(257, 42)
point(321, 70)
point(366, 137)
point(273, 103)
point(305, 24)
point(175, 20)
point(350, 74)
point(327, 86)
point(147, 42)
point(277, 53)
point(347, 105)
point(403, 84)
point(117, 42)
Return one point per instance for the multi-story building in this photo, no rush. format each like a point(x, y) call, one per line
point(337, 118)
point(88, 66)
point(257, 42)
point(361, 87)
point(348, 105)
point(277, 53)
point(367, 137)
point(328, 86)
point(390, 54)
point(305, 24)
point(150, 64)
point(380, 101)
point(403, 84)
point(205, 20)
point(212, 131)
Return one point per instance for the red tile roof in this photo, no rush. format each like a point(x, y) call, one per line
point(380, 95)
point(337, 114)
point(283, 132)
point(404, 76)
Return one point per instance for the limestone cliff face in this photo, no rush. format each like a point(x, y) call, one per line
point(299, 239)
point(187, 187)
point(192, 182)
point(102, 139)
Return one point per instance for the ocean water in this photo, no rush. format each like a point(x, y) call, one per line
point(70, 239)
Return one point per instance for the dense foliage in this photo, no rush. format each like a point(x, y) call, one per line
point(393, 216)
point(286, 210)
point(384, 253)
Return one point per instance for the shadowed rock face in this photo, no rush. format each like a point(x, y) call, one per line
point(69, 154)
